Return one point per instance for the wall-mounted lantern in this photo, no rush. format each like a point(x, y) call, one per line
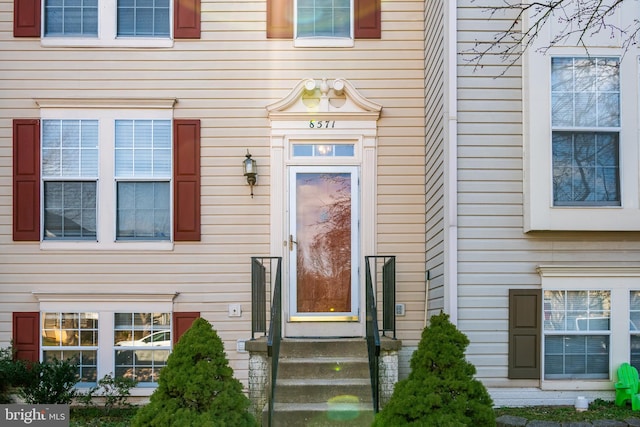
point(250, 171)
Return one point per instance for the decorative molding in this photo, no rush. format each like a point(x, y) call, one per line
point(588, 270)
point(150, 297)
point(103, 103)
point(325, 100)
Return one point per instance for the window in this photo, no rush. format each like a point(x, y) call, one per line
point(71, 18)
point(634, 328)
point(323, 150)
point(110, 178)
point(128, 23)
point(581, 142)
point(70, 175)
point(585, 97)
point(142, 343)
point(72, 336)
point(576, 334)
point(143, 176)
point(323, 18)
point(324, 23)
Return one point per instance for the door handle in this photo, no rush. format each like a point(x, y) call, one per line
point(291, 242)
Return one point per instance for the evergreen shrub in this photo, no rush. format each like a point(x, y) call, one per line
point(197, 388)
point(440, 390)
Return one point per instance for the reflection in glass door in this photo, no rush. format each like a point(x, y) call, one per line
point(323, 243)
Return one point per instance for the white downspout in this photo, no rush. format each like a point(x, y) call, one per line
point(450, 164)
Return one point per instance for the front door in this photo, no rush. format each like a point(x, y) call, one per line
point(324, 291)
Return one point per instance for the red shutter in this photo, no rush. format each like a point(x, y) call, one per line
point(26, 18)
point(26, 180)
point(279, 19)
point(26, 335)
point(367, 19)
point(182, 321)
point(186, 19)
point(186, 166)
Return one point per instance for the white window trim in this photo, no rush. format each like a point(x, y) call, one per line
point(106, 305)
point(619, 280)
point(539, 212)
point(107, 32)
point(323, 41)
point(106, 111)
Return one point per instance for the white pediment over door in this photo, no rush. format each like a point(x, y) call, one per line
point(324, 99)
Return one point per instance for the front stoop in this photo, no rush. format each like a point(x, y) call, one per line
point(322, 382)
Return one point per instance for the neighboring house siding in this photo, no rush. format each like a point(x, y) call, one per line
point(435, 140)
point(494, 253)
point(225, 80)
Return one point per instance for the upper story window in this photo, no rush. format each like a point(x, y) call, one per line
point(107, 23)
point(585, 116)
point(324, 23)
point(323, 18)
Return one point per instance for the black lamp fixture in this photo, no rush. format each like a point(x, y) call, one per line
point(250, 170)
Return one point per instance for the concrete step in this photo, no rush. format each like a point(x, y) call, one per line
point(324, 367)
point(345, 412)
point(321, 390)
point(322, 347)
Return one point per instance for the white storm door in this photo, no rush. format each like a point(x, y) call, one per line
point(323, 244)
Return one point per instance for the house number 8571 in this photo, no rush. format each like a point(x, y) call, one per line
point(320, 124)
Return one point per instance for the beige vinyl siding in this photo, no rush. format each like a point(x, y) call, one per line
point(225, 79)
point(493, 252)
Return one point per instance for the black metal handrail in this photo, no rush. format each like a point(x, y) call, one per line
point(259, 300)
point(379, 268)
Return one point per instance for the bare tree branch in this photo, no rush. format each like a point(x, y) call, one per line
point(575, 22)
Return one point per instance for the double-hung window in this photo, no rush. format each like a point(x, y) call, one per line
point(576, 334)
point(92, 175)
point(585, 97)
point(324, 19)
point(74, 337)
point(70, 176)
point(143, 177)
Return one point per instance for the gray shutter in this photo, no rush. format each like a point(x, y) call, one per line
point(525, 331)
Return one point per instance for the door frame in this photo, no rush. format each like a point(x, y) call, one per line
point(354, 120)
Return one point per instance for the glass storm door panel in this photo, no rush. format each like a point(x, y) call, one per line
point(323, 243)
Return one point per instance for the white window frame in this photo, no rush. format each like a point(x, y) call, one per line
point(107, 31)
point(106, 305)
point(323, 41)
point(539, 211)
point(619, 280)
point(106, 112)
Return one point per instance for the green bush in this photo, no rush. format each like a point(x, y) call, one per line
point(114, 390)
point(50, 382)
point(197, 387)
point(13, 374)
point(440, 390)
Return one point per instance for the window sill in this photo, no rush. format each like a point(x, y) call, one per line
point(100, 246)
point(539, 218)
point(137, 42)
point(323, 42)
